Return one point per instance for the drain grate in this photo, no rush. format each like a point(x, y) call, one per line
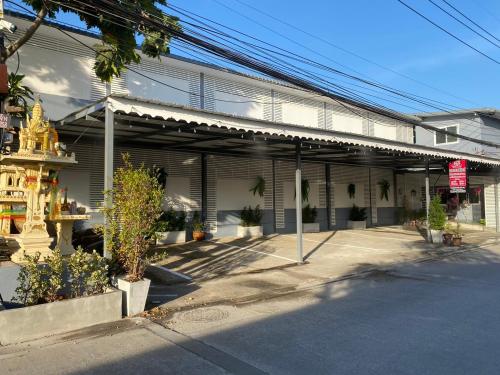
point(204, 315)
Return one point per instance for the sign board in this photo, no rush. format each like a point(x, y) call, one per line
point(4, 121)
point(457, 174)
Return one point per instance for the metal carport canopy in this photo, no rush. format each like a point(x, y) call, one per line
point(138, 121)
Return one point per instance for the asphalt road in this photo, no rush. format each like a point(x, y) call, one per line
point(430, 318)
point(439, 317)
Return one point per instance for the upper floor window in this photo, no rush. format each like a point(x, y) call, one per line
point(442, 139)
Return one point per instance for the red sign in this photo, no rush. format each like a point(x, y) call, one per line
point(457, 173)
point(4, 120)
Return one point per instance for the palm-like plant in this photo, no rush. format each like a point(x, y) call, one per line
point(19, 94)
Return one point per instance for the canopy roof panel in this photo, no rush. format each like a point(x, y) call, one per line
point(139, 122)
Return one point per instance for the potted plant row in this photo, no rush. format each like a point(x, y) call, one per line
point(250, 220)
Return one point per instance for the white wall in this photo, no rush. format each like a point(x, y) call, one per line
point(342, 199)
point(238, 105)
point(348, 124)
point(289, 194)
point(234, 194)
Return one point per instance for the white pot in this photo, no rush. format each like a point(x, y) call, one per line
point(255, 231)
point(356, 224)
point(164, 238)
point(437, 236)
point(134, 295)
point(310, 227)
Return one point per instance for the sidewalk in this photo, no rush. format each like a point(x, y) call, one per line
point(130, 346)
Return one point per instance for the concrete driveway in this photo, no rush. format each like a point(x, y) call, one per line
point(232, 269)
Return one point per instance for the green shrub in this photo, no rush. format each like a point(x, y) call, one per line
point(170, 221)
point(251, 217)
point(88, 273)
point(357, 213)
point(437, 215)
point(136, 205)
point(32, 282)
point(309, 214)
point(40, 283)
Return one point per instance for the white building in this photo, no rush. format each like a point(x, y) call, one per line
point(216, 131)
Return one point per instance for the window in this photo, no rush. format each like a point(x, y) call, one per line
point(442, 139)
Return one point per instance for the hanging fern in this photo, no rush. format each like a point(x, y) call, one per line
point(259, 187)
point(305, 189)
point(384, 189)
point(351, 190)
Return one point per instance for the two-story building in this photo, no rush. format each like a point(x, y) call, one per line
point(216, 131)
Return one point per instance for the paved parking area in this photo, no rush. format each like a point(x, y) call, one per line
point(232, 269)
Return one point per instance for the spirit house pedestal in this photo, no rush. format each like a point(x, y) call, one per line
point(28, 181)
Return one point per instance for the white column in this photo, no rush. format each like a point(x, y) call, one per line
point(298, 204)
point(109, 121)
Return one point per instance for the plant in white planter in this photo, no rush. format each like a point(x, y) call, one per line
point(170, 227)
point(309, 224)
point(357, 218)
point(136, 205)
point(250, 222)
point(437, 220)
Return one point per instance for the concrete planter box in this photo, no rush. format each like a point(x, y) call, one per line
point(436, 236)
point(165, 238)
point(32, 322)
point(255, 231)
point(356, 224)
point(134, 295)
point(310, 227)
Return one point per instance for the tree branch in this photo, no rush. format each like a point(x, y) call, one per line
point(14, 46)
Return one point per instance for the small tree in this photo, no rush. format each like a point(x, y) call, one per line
point(137, 198)
point(437, 215)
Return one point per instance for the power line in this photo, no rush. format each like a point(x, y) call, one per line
point(470, 20)
point(347, 51)
point(463, 23)
point(449, 33)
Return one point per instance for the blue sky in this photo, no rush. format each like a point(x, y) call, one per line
point(383, 31)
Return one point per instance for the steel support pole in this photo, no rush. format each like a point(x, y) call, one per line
point(109, 120)
point(298, 203)
point(427, 198)
point(328, 197)
point(204, 188)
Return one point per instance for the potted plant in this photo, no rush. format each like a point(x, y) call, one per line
point(250, 222)
point(482, 222)
point(18, 96)
point(133, 209)
point(457, 236)
point(448, 235)
point(198, 227)
point(357, 218)
point(308, 219)
point(437, 220)
point(170, 227)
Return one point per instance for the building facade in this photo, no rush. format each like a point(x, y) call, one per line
point(341, 147)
